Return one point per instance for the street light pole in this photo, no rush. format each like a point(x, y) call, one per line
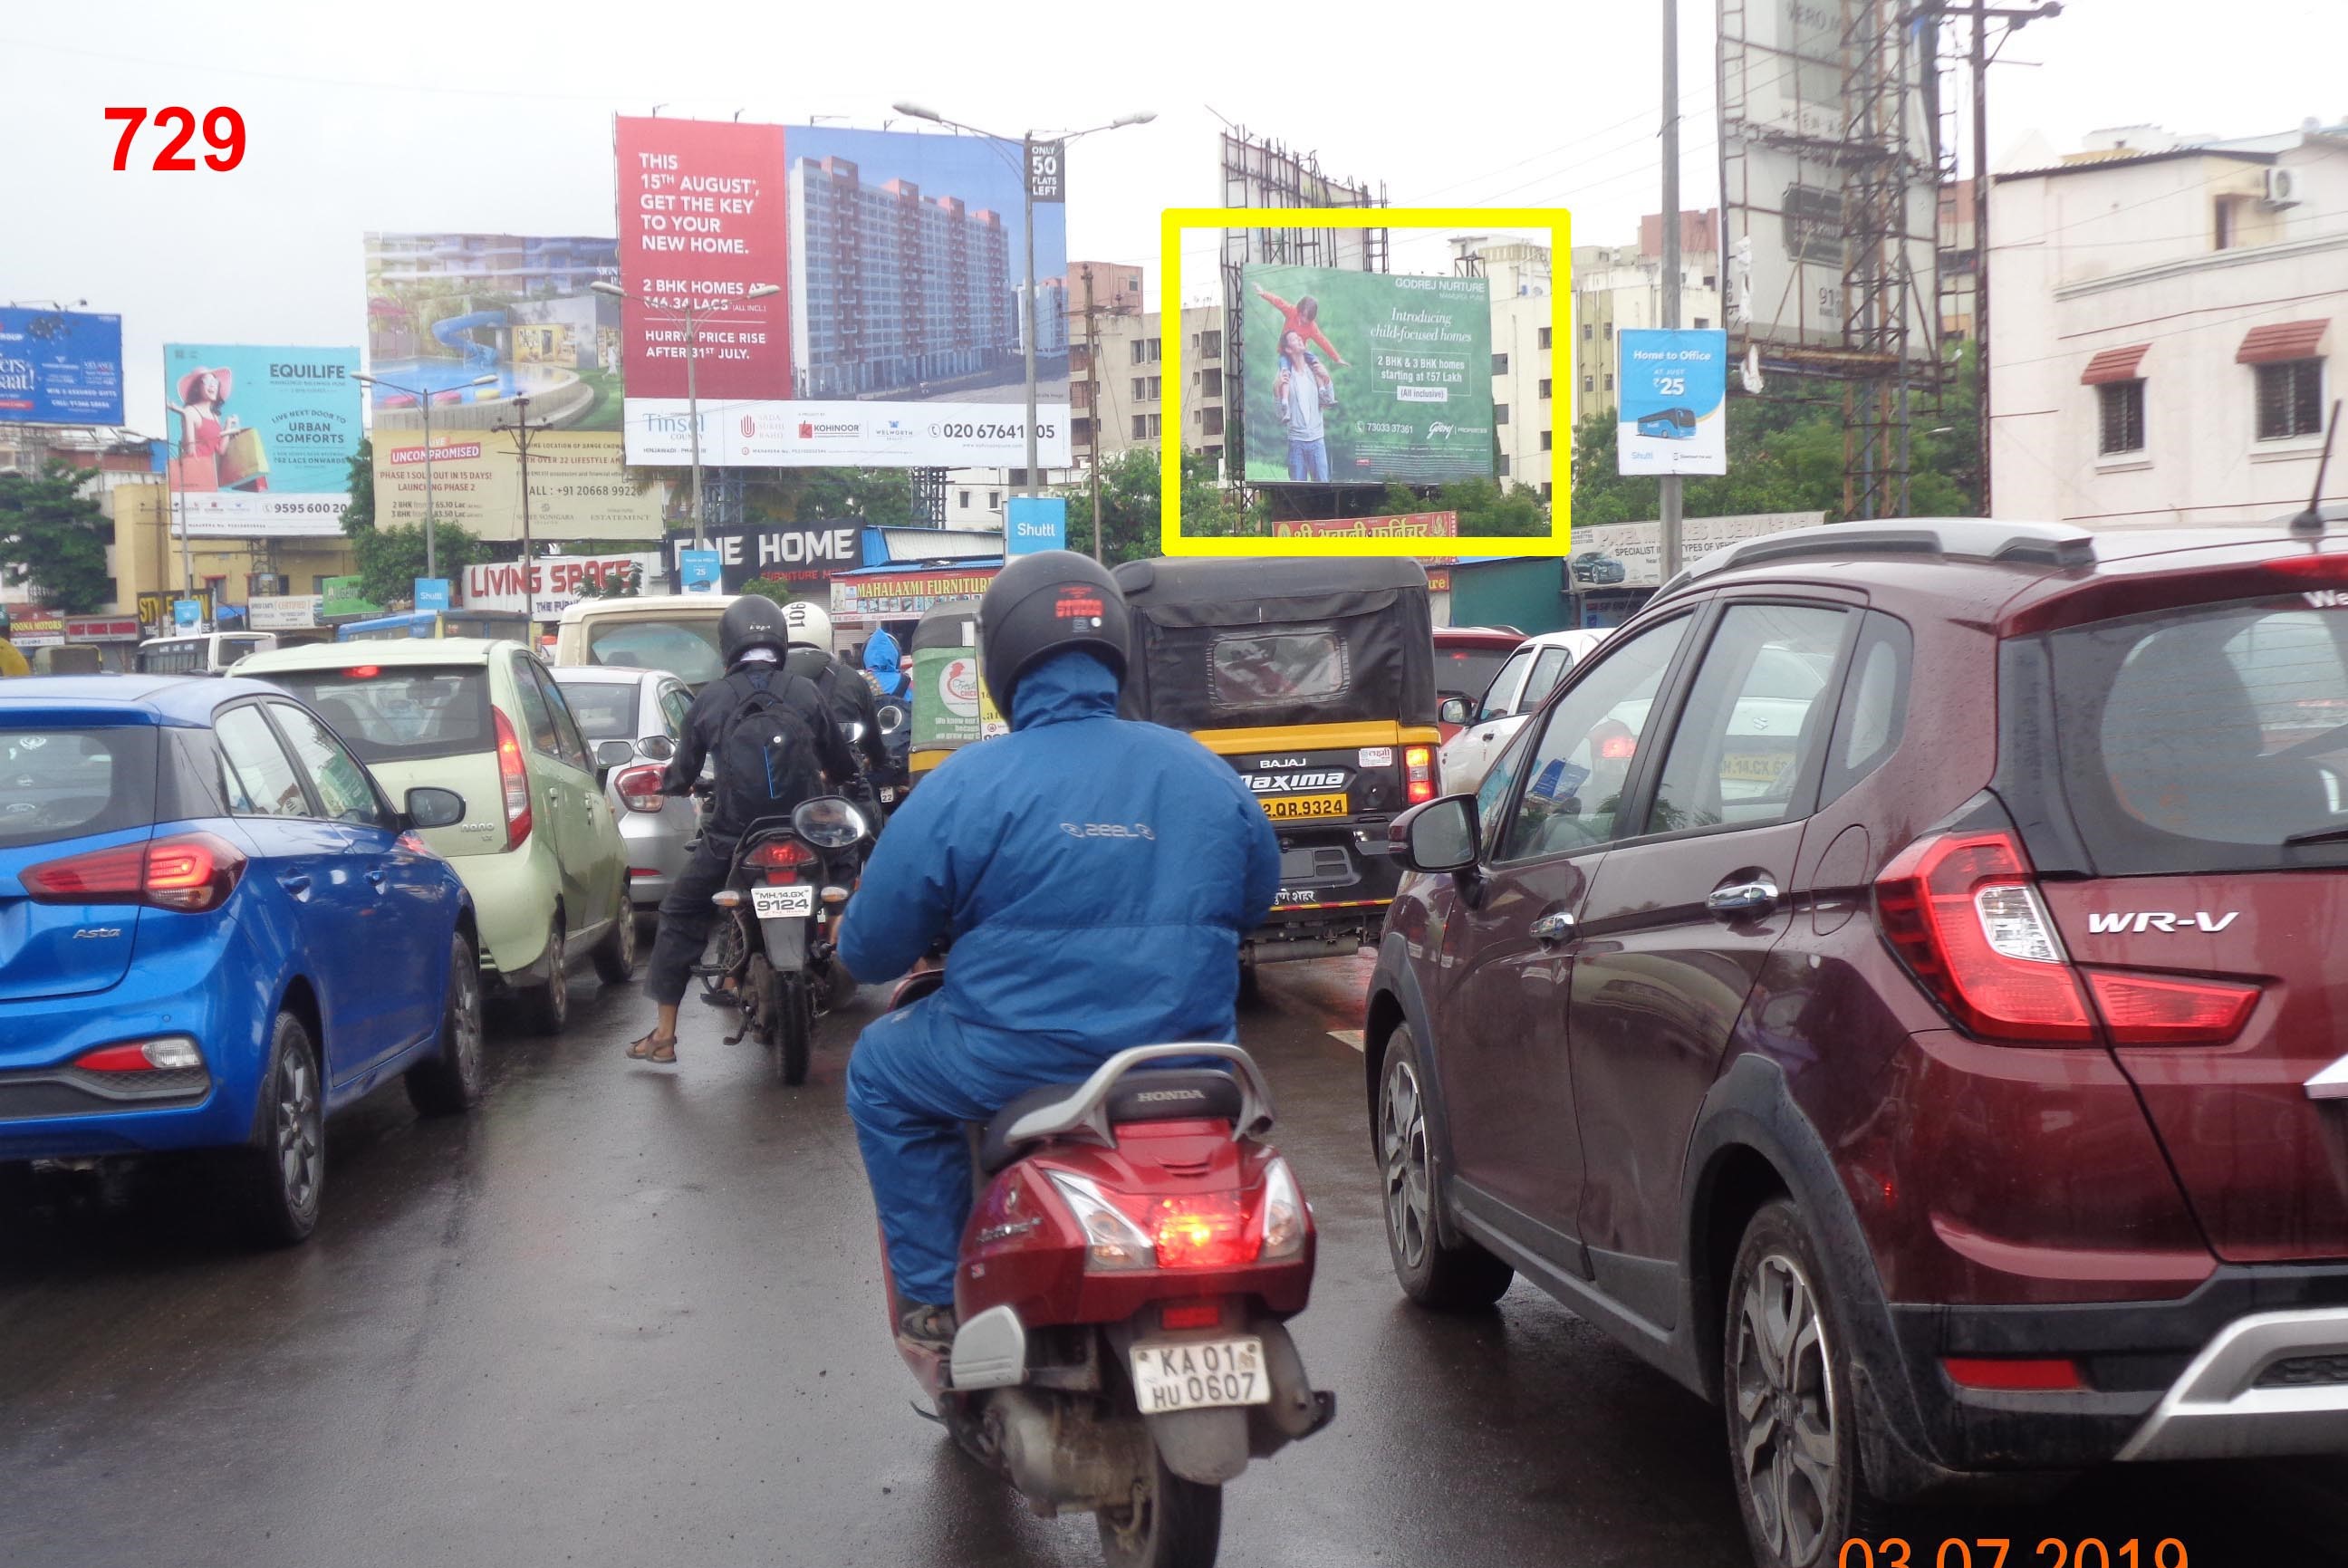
point(1668, 547)
point(424, 401)
point(690, 314)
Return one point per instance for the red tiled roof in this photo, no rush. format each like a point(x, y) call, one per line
point(2281, 341)
point(2114, 365)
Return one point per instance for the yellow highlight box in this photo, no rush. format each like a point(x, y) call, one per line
point(1175, 220)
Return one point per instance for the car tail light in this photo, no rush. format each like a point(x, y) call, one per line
point(190, 873)
point(1418, 773)
point(513, 778)
point(640, 790)
point(172, 1053)
point(2015, 1374)
point(2166, 1010)
point(1963, 911)
point(1202, 1231)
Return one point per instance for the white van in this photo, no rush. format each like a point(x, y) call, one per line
point(199, 653)
point(671, 632)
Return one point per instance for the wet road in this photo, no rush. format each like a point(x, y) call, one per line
point(625, 1315)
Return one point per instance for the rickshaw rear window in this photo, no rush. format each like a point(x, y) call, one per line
point(1269, 669)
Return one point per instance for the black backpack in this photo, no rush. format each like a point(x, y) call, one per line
point(767, 761)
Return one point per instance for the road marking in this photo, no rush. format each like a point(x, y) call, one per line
point(1347, 1036)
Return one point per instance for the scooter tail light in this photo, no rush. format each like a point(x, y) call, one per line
point(780, 852)
point(1418, 773)
point(1963, 911)
point(1114, 1242)
point(513, 778)
point(1202, 1231)
point(1285, 1218)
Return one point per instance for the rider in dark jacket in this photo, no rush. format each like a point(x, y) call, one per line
point(753, 638)
point(845, 688)
point(1095, 875)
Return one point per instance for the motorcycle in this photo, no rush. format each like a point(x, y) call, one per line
point(776, 960)
point(1123, 1290)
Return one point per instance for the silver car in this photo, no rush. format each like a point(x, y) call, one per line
point(643, 709)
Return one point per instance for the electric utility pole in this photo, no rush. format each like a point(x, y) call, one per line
point(1668, 558)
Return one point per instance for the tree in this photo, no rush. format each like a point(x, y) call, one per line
point(1484, 506)
point(53, 536)
point(390, 560)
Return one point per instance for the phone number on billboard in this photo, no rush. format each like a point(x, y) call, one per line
point(992, 432)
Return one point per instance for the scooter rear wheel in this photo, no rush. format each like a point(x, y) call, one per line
point(1170, 1523)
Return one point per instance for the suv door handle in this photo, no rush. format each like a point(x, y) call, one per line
point(1553, 927)
point(1741, 901)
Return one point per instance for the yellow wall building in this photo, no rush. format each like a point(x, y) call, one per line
point(147, 564)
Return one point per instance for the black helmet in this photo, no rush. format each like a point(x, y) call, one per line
point(750, 622)
point(1041, 604)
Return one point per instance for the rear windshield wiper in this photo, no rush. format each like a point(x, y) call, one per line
point(2318, 836)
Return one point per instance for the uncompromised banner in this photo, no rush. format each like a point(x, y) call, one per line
point(1365, 377)
point(262, 437)
point(579, 488)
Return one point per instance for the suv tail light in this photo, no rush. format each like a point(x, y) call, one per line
point(513, 778)
point(1962, 911)
point(640, 790)
point(1418, 773)
point(190, 873)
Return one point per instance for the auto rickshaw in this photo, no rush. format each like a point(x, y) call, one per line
point(951, 706)
point(1315, 679)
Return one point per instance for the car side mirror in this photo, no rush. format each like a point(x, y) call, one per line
point(428, 806)
point(1454, 710)
point(1439, 836)
point(658, 747)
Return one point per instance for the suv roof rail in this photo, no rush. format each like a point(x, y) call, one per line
point(1965, 538)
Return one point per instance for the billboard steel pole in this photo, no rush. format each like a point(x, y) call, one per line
point(1668, 560)
point(692, 417)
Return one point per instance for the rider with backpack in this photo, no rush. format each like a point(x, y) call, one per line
point(845, 690)
point(773, 742)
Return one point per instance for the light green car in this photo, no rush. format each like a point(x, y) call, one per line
point(538, 849)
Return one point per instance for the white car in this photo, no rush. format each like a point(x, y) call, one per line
point(1531, 672)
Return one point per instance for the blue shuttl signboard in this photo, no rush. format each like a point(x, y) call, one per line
point(432, 593)
point(60, 367)
point(1036, 523)
point(1674, 415)
point(700, 571)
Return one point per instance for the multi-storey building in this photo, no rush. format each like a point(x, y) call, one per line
point(892, 290)
point(2164, 311)
point(1619, 288)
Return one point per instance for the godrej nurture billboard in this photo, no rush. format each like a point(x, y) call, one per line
point(1363, 377)
point(60, 367)
point(262, 437)
point(853, 296)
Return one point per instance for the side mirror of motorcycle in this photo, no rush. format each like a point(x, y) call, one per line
point(1439, 836)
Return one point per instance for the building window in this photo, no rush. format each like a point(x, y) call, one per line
point(1504, 473)
point(1500, 364)
point(1140, 433)
point(1711, 281)
point(1544, 497)
point(1079, 431)
point(1610, 387)
point(1609, 337)
point(1500, 417)
point(1210, 422)
point(993, 503)
point(1019, 478)
point(1539, 342)
point(1140, 357)
point(1154, 427)
point(1701, 322)
point(964, 503)
point(2122, 417)
point(1587, 329)
point(1155, 345)
point(1210, 384)
point(2290, 399)
point(1212, 345)
point(1155, 389)
point(1544, 392)
point(1545, 440)
point(1587, 385)
point(1140, 395)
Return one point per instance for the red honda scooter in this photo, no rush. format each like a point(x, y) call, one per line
point(1123, 1291)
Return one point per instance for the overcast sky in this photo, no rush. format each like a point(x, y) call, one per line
point(498, 118)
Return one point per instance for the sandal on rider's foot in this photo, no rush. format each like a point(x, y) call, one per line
point(654, 1049)
point(927, 1328)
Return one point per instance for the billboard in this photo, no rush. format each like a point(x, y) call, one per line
point(447, 310)
point(1673, 414)
point(1830, 173)
point(1630, 554)
point(557, 582)
point(1365, 377)
point(579, 488)
point(805, 553)
point(896, 336)
point(60, 367)
point(262, 439)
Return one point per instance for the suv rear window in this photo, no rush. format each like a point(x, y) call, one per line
point(1267, 669)
point(70, 783)
point(393, 714)
point(685, 649)
point(2207, 738)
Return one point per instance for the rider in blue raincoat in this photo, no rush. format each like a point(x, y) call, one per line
point(880, 660)
point(1095, 876)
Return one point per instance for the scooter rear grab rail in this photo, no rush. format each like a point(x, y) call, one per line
point(1086, 1109)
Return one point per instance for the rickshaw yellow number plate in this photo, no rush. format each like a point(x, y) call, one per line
point(1284, 808)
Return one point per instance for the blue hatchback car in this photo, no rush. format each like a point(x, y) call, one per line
point(214, 929)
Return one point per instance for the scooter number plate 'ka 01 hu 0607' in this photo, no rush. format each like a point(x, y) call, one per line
point(782, 903)
point(1199, 1373)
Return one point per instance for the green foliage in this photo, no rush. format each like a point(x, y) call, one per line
point(1484, 506)
point(53, 536)
point(880, 497)
point(1786, 454)
point(390, 560)
point(1129, 505)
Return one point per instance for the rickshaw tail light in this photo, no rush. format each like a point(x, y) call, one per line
point(1418, 773)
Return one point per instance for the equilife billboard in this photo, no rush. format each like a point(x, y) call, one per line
point(262, 439)
point(60, 367)
point(843, 297)
point(1365, 377)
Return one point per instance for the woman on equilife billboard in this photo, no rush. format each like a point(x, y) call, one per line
point(204, 429)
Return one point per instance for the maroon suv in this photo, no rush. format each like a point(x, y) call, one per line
point(1899, 987)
